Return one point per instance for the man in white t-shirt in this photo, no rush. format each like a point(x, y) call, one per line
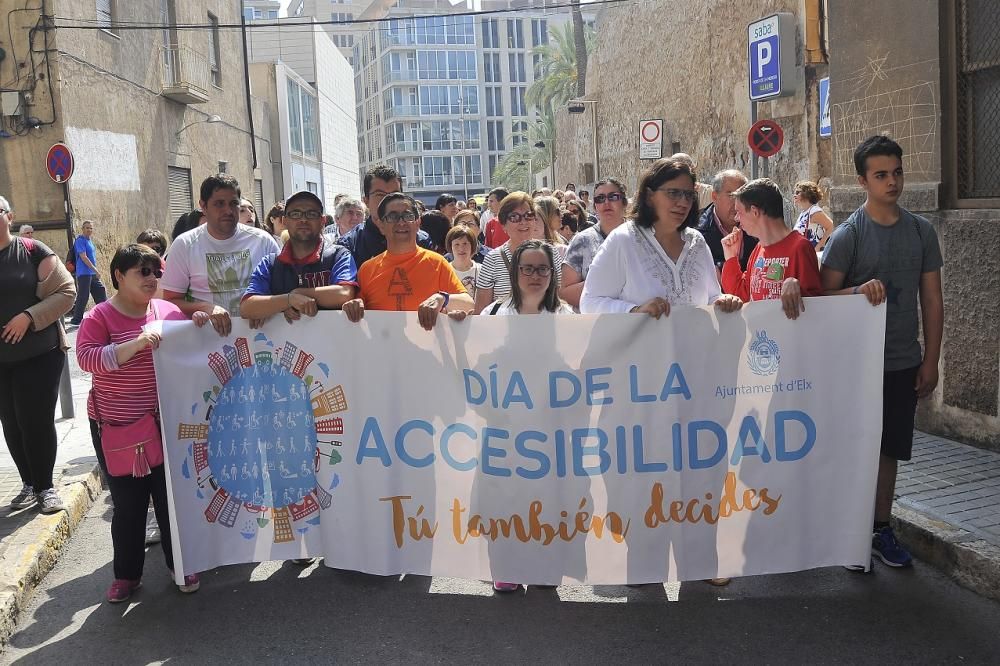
point(214, 261)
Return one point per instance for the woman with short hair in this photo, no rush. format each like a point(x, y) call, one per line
point(657, 258)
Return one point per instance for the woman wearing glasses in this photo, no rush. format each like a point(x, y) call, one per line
point(656, 259)
point(535, 291)
point(114, 348)
point(610, 202)
point(520, 222)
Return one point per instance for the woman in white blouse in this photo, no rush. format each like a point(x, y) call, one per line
point(656, 259)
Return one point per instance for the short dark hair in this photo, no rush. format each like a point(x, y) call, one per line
point(583, 193)
point(568, 219)
point(383, 172)
point(153, 236)
point(461, 231)
point(437, 225)
point(611, 181)
point(397, 196)
point(130, 256)
point(658, 173)
point(551, 300)
point(763, 193)
point(875, 145)
point(186, 222)
point(220, 181)
point(444, 200)
point(498, 193)
point(569, 185)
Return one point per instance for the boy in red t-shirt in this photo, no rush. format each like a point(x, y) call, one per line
point(782, 266)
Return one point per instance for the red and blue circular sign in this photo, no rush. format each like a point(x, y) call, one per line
point(59, 163)
point(765, 138)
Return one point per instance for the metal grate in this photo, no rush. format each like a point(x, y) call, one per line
point(978, 118)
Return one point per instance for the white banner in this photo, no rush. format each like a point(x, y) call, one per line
point(595, 449)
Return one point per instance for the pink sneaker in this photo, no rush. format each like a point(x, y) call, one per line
point(121, 589)
point(191, 584)
point(505, 587)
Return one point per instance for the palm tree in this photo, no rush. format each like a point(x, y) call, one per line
point(558, 79)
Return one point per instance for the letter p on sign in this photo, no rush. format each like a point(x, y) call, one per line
point(764, 56)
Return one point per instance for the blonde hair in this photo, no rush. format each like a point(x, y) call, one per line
point(545, 208)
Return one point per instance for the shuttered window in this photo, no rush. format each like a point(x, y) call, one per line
point(214, 56)
point(258, 198)
point(104, 12)
point(179, 188)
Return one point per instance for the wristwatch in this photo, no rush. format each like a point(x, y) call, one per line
point(447, 297)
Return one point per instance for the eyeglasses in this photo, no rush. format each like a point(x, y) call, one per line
point(515, 218)
point(613, 198)
point(540, 271)
point(676, 195)
point(146, 271)
point(304, 214)
point(395, 218)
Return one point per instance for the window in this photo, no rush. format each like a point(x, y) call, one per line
point(515, 64)
point(494, 135)
point(977, 104)
point(247, 13)
point(446, 65)
point(491, 67)
point(494, 102)
point(312, 187)
point(518, 132)
point(539, 32)
point(179, 191)
point(515, 34)
point(494, 160)
point(214, 56)
point(491, 33)
point(444, 30)
point(517, 105)
point(105, 13)
point(294, 117)
point(536, 66)
point(449, 100)
point(341, 17)
point(310, 126)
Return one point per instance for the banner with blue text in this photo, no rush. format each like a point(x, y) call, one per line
point(535, 449)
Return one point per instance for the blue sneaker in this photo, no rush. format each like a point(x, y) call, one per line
point(886, 548)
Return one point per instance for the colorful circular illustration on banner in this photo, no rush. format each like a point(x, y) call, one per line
point(269, 425)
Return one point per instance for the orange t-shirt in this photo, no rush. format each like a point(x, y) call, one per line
point(402, 282)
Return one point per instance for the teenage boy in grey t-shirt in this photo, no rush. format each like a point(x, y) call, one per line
point(889, 254)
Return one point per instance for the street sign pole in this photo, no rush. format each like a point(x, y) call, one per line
point(754, 174)
point(65, 383)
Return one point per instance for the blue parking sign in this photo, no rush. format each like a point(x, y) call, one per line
point(825, 125)
point(765, 68)
point(771, 57)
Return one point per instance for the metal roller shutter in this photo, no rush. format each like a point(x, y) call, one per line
point(179, 187)
point(258, 198)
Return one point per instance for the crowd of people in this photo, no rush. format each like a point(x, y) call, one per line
point(673, 242)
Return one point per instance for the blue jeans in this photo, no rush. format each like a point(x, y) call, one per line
point(87, 286)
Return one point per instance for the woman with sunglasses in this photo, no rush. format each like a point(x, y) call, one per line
point(520, 223)
point(656, 259)
point(112, 345)
point(610, 202)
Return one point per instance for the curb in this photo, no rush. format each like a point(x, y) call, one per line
point(969, 560)
point(37, 545)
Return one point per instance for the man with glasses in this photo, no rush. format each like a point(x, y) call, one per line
point(406, 277)
point(365, 240)
point(719, 219)
point(215, 260)
point(311, 272)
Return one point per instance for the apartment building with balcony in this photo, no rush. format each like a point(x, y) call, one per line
point(442, 98)
point(148, 113)
point(340, 19)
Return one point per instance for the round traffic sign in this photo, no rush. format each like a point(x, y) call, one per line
point(650, 132)
point(59, 163)
point(765, 138)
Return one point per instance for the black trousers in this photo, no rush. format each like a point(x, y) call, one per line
point(128, 522)
point(29, 390)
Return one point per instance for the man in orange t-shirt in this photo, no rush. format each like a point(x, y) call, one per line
point(782, 266)
point(406, 277)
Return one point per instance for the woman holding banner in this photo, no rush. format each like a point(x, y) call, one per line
point(656, 259)
point(113, 346)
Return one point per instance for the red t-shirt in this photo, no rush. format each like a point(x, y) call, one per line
point(768, 267)
point(495, 233)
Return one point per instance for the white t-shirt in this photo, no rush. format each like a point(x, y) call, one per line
point(468, 277)
point(216, 271)
point(631, 268)
point(506, 307)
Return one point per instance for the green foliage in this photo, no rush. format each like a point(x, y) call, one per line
point(557, 83)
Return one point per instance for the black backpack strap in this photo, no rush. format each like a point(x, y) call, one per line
point(495, 308)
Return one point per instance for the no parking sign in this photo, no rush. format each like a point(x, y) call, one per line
point(650, 139)
point(59, 163)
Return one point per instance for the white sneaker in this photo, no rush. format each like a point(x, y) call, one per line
point(49, 501)
point(24, 499)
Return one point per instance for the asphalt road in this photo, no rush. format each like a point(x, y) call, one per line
point(281, 613)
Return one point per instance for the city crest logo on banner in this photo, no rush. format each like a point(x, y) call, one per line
point(764, 356)
point(268, 425)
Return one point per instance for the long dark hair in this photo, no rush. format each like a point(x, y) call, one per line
point(551, 300)
point(658, 173)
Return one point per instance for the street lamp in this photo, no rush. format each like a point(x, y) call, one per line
point(465, 175)
point(211, 119)
point(530, 173)
point(579, 106)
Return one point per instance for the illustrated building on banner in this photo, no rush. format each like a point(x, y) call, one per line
point(263, 358)
point(230, 511)
point(215, 506)
point(219, 367)
point(234, 364)
point(329, 402)
point(200, 457)
point(282, 526)
point(192, 431)
point(334, 426)
point(287, 354)
point(325, 498)
point(306, 507)
point(243, 352)
point(302, 363)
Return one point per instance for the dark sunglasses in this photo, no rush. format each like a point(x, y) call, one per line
point(613, 197)
point(146, 271)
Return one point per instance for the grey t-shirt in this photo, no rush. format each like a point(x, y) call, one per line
point(897, 255)
point(583, 248)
